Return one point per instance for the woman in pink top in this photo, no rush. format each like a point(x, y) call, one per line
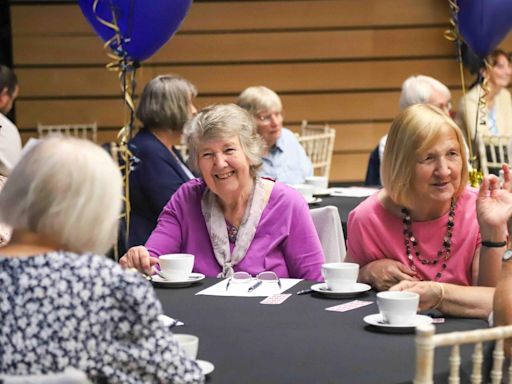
point(232, 220)
point(423, 225)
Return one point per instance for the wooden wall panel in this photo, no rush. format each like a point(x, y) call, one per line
point(245, 47)
point(230, 79)
point(253, 15)
point(323, 107)
point(335, 61)
point(349, 167)
point(313, 14)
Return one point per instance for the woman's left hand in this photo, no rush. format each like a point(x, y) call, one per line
point(494, 204)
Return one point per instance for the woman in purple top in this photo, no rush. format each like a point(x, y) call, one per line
point(232, 220)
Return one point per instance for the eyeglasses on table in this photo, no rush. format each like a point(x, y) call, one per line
point(261, 278)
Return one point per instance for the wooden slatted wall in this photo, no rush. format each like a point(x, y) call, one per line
point(339, 61)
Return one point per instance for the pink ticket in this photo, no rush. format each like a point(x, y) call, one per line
point(276, 299)
point(349, 306)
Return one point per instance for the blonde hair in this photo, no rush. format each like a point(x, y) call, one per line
point(224, 122)
point(68, 190)
point(414, 130)
point(259, 99)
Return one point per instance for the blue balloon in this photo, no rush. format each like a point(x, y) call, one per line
point(484, 23)
point(145, 25)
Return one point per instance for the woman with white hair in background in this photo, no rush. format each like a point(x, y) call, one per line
point(231, 219)
point(284, 158)
point(62, 305)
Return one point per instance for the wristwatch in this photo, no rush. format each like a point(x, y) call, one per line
point(507, 255)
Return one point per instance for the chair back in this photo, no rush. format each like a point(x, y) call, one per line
point(307, 129)
point(84, 131)
point(494, 150)
point(69, 376)
point(319, 148)
point(427, 341)
point(328, 226)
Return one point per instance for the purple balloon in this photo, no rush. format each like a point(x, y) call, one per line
point(484, 23)
point(145, 25)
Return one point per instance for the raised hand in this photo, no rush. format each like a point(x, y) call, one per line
point(494, 202)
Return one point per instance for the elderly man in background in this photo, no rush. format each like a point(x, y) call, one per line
point(284, 158)
point(10, 140)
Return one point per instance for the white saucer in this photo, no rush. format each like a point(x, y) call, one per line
point(377, 321)
point(205, 366)
point(193, 278)
point(356, 289)
point(314, 200)
point(322, 192)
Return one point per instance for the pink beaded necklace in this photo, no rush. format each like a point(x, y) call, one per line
point(411, 243)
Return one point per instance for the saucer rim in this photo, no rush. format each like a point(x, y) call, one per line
point(322, 192)
point(193, 278)
point(314, 200)
point(362, 288)
point(424, 320)
point(210, 365)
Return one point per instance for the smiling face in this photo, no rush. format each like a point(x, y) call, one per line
point(224, 167)
point(438, 172)
point(499, 74)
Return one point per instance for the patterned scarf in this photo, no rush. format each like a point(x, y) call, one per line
point(216, 225)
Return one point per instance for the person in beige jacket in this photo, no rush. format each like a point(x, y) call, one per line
point(499, 103)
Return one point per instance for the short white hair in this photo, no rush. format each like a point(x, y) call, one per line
point(418, 89)
point(259, 99)
point(68, 190)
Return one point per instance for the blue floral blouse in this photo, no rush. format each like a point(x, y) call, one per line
point(61, 310)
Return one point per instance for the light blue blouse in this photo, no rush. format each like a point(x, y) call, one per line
point(287, 161)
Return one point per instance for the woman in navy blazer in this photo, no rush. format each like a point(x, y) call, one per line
point(158, 169)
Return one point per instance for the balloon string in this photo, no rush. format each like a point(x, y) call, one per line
point(452, 34)
point(127, 71)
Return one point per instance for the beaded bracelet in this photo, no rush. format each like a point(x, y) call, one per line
point(442, 295)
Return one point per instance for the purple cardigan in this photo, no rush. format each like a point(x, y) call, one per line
point(285, 242)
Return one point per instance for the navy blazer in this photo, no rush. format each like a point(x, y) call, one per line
point(156, 174)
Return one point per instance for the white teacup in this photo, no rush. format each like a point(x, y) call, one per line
point(398, 307)
point(305, 190)
point(189, 344)
point(340, 276)
point(319, 183)
point(176, 266)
